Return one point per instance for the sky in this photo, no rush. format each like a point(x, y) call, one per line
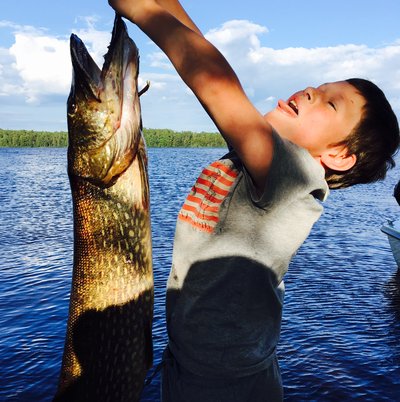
point(275, 47)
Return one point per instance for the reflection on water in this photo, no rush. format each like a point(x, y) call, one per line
point(341, 325)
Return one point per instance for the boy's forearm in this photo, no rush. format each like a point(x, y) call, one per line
point(175, 8)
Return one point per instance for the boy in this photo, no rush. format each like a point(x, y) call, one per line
point(248, 213)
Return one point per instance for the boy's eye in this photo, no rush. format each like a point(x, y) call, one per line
point(333, 105)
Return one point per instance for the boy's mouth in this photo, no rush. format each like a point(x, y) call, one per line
point(292, 103)
point(289, 107)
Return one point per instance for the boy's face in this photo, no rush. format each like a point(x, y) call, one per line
point(317, 118)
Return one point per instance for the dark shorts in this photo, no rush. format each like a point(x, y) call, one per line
point(180, 385)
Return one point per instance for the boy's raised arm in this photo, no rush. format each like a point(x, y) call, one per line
point(175, 8)
point(209, 76)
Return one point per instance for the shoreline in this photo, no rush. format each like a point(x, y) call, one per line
point(155, 138)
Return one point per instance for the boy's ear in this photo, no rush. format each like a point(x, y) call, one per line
point(337, 158)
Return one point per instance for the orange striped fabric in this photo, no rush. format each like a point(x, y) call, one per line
point(202, 205)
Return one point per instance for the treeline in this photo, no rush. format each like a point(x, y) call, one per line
point(28, 138)
point(156, 138)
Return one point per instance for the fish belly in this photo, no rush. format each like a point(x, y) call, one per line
point(108, 347)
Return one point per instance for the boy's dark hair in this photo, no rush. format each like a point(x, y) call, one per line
point(373, 141)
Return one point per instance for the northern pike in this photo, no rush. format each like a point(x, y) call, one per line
point(108, 346)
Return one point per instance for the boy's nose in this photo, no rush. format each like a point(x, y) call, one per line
point(311, 94)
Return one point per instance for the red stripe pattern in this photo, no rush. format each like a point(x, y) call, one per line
point(202, 205)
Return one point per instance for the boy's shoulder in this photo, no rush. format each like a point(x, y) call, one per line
point(292, 167)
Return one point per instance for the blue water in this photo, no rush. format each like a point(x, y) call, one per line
point(341, 326)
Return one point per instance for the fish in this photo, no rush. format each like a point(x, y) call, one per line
point(108, 346)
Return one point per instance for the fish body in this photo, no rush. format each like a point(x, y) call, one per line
point(108, 347)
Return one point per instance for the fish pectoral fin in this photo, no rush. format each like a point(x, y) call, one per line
point(145, 88)
point(142, 159)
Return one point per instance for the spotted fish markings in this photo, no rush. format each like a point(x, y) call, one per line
point(108, 346)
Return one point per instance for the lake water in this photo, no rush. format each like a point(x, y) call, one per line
point(340, 336)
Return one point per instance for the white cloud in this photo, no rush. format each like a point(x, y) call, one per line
point(237, 30)
point(8, 78)
point(39, 63)
point(43, 64)
point(276, 73)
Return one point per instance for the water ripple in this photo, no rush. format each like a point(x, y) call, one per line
point(341, 321)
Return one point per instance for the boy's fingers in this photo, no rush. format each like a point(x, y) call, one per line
point(118, 6)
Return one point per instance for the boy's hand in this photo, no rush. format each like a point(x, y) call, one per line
point(120, 6)
point(126, 8)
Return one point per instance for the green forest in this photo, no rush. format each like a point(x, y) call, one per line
point(155, 138)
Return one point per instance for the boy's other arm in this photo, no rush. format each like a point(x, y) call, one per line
point(211, 78)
